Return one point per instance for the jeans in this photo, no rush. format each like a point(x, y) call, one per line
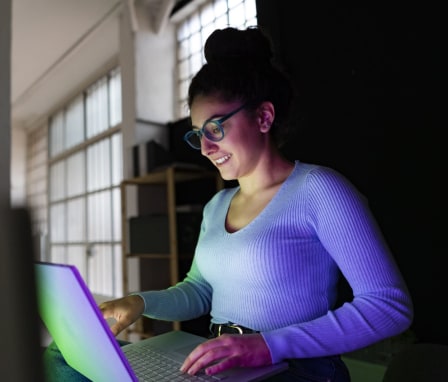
point(56, 369)
point(324, 369)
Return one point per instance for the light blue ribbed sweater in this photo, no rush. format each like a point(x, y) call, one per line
point(279, 274)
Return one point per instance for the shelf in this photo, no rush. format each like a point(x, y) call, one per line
point(163, 256)
point(175, 203)
point(181, 174)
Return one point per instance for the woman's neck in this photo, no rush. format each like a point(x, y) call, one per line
point(268, 174)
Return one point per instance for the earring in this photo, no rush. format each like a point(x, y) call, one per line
point(265, 126)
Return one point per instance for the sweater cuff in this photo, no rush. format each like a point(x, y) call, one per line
point(142, 297)
point(279, 344)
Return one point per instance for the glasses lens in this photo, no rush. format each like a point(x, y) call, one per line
point(213, 131)
point(193, 139)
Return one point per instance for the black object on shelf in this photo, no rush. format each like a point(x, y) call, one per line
point(150, 233)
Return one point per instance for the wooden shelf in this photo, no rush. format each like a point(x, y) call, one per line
point(169, 177)
point(177, 173)
point(163, 256)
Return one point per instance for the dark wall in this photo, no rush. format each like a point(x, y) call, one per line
point(369, 104)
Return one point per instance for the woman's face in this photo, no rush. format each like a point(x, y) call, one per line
point(237, 154)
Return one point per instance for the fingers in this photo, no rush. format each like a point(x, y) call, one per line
point(191, 364)
point(205, 354)
point(124, 311)
point(224, 364)
point(216, 361)
point(227, 351)
point(117, 328)
point(107, 309)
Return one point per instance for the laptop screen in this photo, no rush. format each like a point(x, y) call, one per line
point(76, 325)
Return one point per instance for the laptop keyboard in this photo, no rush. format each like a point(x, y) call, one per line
point(162, 368)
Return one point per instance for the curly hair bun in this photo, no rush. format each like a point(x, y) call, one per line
point(231, 44)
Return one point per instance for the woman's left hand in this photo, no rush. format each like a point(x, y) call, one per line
point(228, 351)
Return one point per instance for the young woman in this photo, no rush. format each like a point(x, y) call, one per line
point(271, 250)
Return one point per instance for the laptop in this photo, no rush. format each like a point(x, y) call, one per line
point(76, 325)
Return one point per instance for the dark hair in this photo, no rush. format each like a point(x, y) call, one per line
point(240, 65)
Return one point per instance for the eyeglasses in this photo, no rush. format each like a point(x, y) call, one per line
point(212, 130)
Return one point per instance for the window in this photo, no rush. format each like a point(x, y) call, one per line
point(194, 30)
point(85, 171)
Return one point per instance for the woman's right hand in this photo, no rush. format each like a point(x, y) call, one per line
point(125, 311)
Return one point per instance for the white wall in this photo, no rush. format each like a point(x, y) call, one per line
point(147, 61)
point(18, 166)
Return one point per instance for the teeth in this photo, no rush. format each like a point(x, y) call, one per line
point(223, 159)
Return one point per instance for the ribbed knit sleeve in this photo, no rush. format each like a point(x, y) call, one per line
point(188, 299)
point(381, 306)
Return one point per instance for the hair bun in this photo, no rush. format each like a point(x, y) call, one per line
point(231, 44)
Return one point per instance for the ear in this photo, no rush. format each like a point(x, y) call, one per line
point(265, 116)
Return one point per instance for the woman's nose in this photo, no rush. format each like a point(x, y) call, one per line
point(207, 146)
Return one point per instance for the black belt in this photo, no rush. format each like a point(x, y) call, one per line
point(229, 328)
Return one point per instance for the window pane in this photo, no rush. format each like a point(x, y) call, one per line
point(58, 223)
point(116, 213)
point(194, 23)
point(118, 271)
point(115, 98)
point(251, 12)
point(236, 16)
point(183, 50)
point(74, 122)
point(234, 3)
point(99, 225)
point(101, 270)
point(196, 44)
point(76, 174)
point(207, 15)
point(220, 7)
point(97, 108)
point(76, 255)
point(76, 220)
point(196, 61)
point(98, 165)
point(221, 22)
point(213, 15)
point(57, 134)
point(57, 181)
point(58, 254)
point(206, 32)
point(183, 70)
point(183, 31)
point(116, 160)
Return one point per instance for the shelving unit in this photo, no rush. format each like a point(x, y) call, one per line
point(169, 179)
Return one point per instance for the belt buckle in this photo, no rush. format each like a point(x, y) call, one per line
point(233, 326)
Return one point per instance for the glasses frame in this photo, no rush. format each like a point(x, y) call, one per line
point(218, 122)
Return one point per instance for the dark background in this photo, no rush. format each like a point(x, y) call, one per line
point(371, 103)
